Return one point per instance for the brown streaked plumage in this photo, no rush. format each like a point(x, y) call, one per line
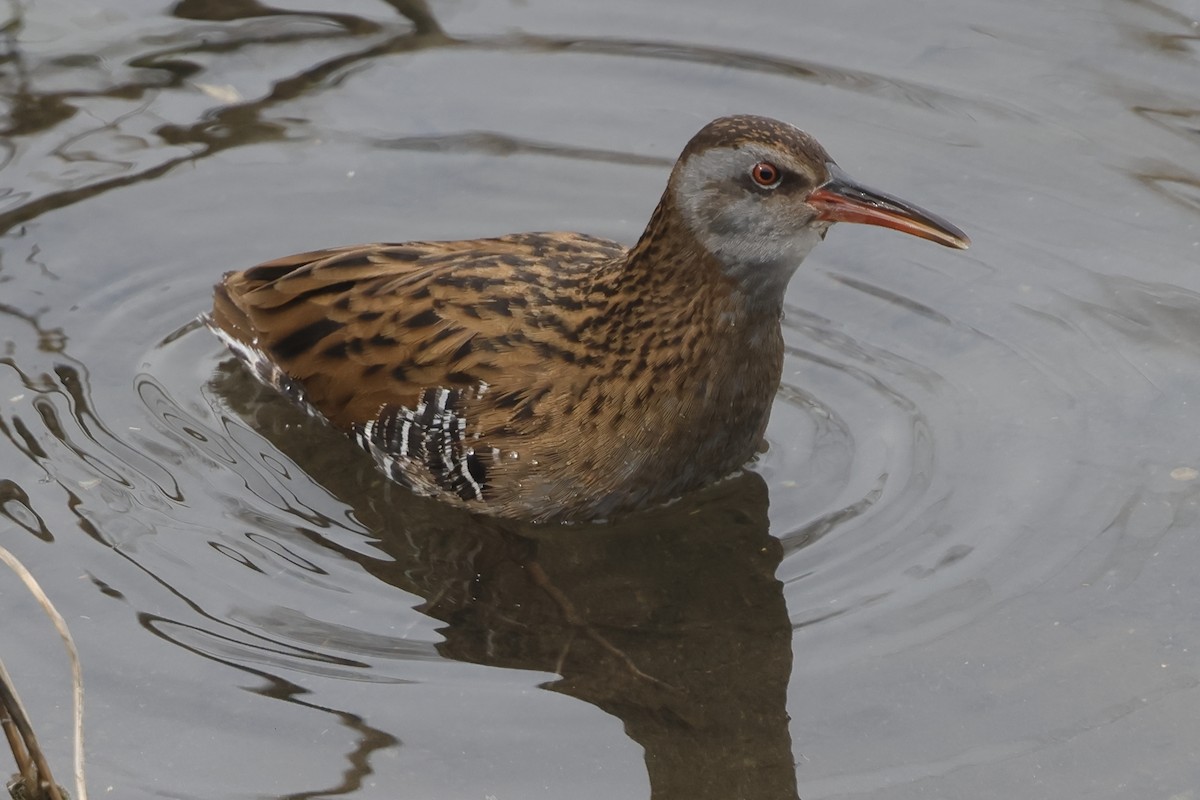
point(557, 376)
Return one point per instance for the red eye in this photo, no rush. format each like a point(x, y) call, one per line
point(766, 174)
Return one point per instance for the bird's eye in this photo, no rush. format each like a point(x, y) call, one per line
point(766, 174)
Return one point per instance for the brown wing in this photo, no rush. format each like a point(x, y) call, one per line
point(360, 328)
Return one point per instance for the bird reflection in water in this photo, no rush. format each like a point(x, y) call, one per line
point(671, 620)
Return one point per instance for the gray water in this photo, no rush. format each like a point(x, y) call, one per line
point(966, 567)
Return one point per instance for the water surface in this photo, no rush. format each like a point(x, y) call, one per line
point(966, 567)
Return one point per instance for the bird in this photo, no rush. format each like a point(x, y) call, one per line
point(558, 377)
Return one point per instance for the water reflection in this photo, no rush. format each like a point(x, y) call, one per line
point(231, 647)
point(990, 472)
point(673, 621)
point(180, 66)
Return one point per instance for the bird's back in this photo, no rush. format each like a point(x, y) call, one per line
point(372, 324)
point(449, 361)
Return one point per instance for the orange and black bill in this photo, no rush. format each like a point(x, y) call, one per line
point(842, 199)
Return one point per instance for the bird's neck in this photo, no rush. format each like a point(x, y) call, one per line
point(672, 266)
point(690, 314)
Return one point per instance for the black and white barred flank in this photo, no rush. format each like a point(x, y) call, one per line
point(429, 442)
point(426, 449)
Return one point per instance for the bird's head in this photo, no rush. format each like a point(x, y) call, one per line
point(758, 194)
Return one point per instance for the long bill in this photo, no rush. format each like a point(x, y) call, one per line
point(842, 199)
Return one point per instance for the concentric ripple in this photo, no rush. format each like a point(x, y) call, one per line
point(965, 567)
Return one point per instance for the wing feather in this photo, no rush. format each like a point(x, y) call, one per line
point(367, 326)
